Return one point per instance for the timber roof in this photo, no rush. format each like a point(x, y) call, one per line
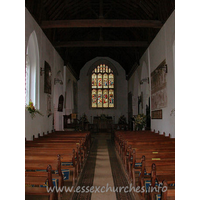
point(81, 30)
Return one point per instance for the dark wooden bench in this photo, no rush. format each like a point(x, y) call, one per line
point(37, 179)
point(166, 179)
point(139, 150)
point(72, 148)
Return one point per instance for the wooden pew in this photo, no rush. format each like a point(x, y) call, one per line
point(40, 164)
point(138, 150)
point(73, 147)
point(83, 138)
point(59, 149)
point(170, 193)
point(42, 179)
point(164, 166)
point(61, 143)
point(167, 182)
point(122, 141)
point(66, 162)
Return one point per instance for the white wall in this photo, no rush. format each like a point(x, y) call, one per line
point(162, 47)
point(121, 102)
point(70, 80)
point(47, 53)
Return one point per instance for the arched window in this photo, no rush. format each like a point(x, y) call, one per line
point(27, 79)
point(32, 86)
point(102, 87)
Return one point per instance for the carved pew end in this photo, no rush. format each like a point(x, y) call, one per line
point(163, 133)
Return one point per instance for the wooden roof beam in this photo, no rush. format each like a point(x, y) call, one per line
point(112, 23)
point(102, 44)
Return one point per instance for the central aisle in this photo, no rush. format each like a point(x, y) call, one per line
point(103, 172)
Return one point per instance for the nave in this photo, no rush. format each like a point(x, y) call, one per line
point(103, 161)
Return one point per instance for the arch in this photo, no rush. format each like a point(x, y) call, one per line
point(60, 103)
point(102, 61)
point(27, 80)
point(32, 56)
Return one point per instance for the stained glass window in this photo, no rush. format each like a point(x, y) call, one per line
point(111, 81)
point(94, 98)
point(102, 87)
point(105, 98)
point(99, 98)
point(94, 81)
point(111, 98)
point(99, 80)
point(105, 81)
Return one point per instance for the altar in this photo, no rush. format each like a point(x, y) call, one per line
point(104, 123)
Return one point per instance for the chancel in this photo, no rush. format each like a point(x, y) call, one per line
point(100, 99)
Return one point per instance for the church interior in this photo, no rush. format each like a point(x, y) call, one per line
point(100, 99)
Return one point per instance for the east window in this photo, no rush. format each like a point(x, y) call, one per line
point(102, 87)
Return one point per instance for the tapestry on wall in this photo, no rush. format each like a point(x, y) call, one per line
point(158, 87)
point(47, 78)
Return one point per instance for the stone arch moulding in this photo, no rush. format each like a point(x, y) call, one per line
point(102, 61)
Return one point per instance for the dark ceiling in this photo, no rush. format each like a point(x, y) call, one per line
point(81, 30)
